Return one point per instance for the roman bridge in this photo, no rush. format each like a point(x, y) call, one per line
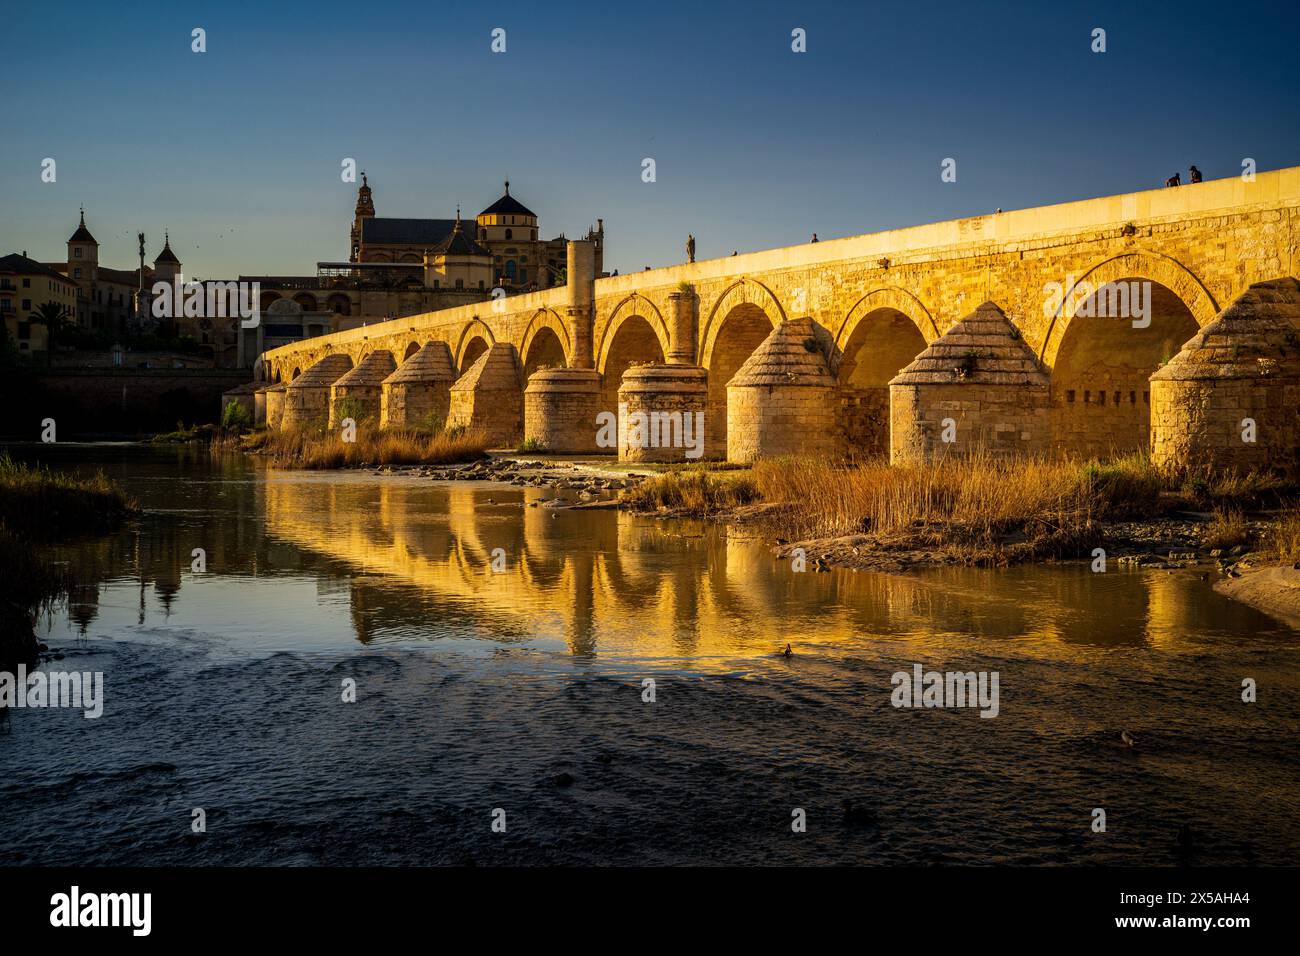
point(878, 301)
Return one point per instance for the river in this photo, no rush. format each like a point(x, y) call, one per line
point(519, 694)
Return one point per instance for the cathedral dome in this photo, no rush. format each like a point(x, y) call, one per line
point(508, 205)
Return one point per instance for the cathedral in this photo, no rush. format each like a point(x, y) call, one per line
point(399, 267)
point(505, 234)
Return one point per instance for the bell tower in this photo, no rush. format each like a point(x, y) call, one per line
point(83, 256)
point(365, 210)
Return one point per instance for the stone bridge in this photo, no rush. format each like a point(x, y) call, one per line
point(865, 309)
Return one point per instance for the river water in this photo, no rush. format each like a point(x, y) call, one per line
point(477, 692)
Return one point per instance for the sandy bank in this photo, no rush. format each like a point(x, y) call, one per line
point(1274, 590)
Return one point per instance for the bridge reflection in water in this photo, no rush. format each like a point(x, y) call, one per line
point(420, 557)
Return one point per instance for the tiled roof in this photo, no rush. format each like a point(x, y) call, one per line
point(405, 232)
point(508, 205)
point(21, 265)
point(459, 244)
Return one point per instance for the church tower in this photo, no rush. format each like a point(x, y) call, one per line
point(365, 210)
point(83, 257)
point(166, 267)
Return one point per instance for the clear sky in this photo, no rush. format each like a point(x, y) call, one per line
point(237, 150)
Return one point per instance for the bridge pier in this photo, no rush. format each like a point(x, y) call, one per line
point(560, 408)
point(1230, 399)
point(488, 398)
point(356, 394)
point(976, 388)
point(668, 398)
point(307, 397)
point(418, 393)
point(784, 399)
point(269, 405)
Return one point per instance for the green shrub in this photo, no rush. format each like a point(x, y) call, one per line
point(235, 417)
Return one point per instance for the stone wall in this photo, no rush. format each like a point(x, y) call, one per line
point(1200, 424)
point(767, 421)
point(993, 419)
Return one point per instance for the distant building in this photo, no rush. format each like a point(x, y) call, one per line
point(396, 267)
point(105, 297)
point(399, 267)
point(507, 229)
point(26, 285)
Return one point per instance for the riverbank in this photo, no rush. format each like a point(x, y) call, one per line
point(37, 507)
point(980, 511)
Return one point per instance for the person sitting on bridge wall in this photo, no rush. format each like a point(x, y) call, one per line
point(1173, 180)
point(1195, 174)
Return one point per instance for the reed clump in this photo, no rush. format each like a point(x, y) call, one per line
point(1227, 529)
point(694, 493)
point(318, 449)
point(38, 503)
point(979, 501)
point(1284, 535)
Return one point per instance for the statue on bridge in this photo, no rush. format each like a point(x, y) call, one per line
point(690, 248)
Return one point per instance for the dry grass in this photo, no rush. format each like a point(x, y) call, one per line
point(978, 500)
point(691, 492)
point(318, 449)
point(37, 503)
point(1227, 529)
point(1226, 489)
point(1285, 536)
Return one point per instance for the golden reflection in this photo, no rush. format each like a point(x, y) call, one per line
point(421, 553)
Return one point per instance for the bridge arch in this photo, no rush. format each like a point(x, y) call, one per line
point(742, 317)
point(881, 333)
point(633, 306)
point(411, 349)
point(1142, 265)
point(885, 297)
point(1104, 344)
point(636, 334)
point(475, 339)
point(744, 291)
point(545, 342)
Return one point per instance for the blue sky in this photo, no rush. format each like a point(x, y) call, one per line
point(237, 151)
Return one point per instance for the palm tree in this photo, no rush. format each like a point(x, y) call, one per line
point(53, 316)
